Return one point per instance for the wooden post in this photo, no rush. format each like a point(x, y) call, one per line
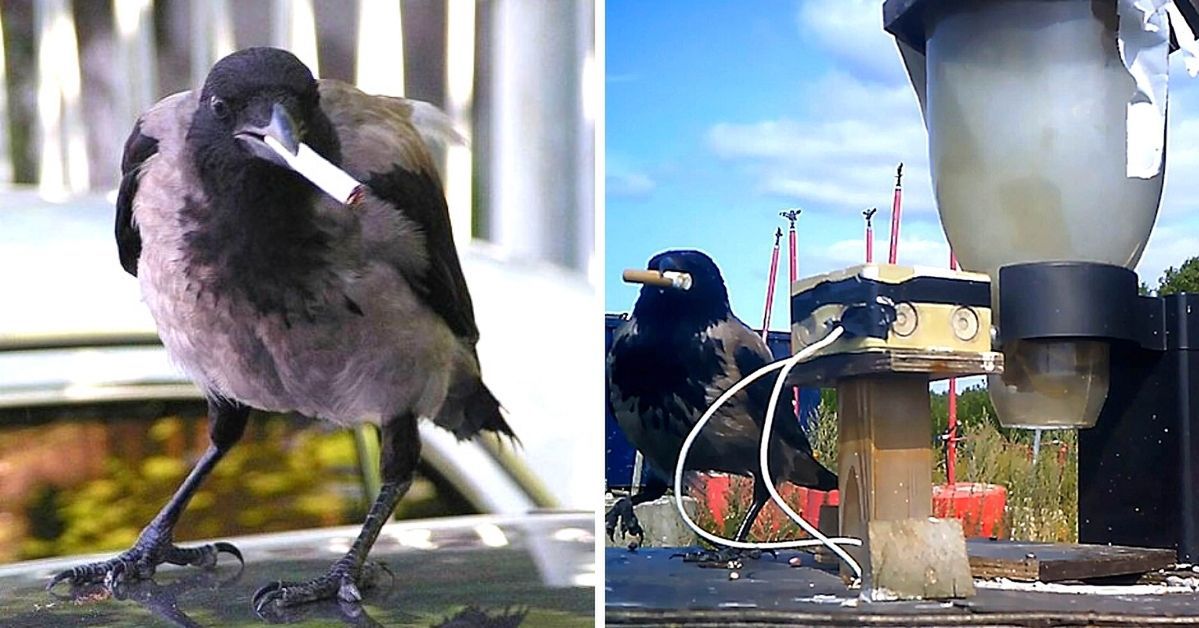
point(885, 450)
point(885, 467)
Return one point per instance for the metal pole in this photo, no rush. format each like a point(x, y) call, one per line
point(770, 283)
point(951, 443)
point(792, 215)
point(896, 210)
point(869, 214)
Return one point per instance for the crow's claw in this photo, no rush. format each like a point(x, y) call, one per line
point(231, 549)
point(141, 561)
point(621, 514)
point(342, 582)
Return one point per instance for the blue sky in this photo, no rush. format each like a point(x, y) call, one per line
point(718, 117)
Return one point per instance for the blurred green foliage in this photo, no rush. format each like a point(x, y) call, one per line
point(1184, 278)
point(285, 474)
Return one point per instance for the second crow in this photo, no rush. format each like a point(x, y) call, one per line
point(678, 352)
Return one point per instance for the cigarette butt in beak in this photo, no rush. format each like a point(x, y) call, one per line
point(309, 164)
point(664, 279)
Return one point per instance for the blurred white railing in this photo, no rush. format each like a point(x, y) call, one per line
point(513, 79)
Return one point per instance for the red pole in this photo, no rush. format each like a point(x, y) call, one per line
point(951, 443)
point(770, 281)
point(792, 215)
point(869, 214)
point(896, 210)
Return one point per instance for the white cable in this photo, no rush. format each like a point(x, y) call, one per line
point(820, 539)
point(764, 448)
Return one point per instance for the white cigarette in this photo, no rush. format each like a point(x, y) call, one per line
point(323, 174)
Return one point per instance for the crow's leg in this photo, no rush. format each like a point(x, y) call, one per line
point(728, 556)
point(401, 452)
point(227, 422)
point(622, 513)
point(761, 496)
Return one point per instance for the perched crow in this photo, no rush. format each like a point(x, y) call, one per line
point(678, 352)
point(272, 295)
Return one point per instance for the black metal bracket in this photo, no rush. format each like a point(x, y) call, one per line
point(1075, 300)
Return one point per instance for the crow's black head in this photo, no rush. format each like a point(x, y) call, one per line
point(705, 302)
point(248, 96)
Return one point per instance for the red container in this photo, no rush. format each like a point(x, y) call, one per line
point(978, 506)
point(715, 491)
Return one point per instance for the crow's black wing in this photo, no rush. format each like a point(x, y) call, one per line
point(750, 353)
point(138, 148)
point(382, 144)
point(419, 195)
point(799, 465)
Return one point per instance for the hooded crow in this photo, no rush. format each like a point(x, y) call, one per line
point(678, 352)
point(272, 295)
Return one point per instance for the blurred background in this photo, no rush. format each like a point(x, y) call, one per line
point(96, 426)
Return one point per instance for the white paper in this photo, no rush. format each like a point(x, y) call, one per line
point(1185, 38)
point(323, 174)
point(1144, 44)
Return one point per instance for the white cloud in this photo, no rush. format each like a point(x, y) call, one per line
point(1169, 245)
point(629, 185)
point(913, 251)
point(852, 32)
point(841, 155)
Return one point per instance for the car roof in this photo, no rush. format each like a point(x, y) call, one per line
point(540, 565)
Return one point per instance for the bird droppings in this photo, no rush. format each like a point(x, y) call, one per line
point(824, 599)
point(734, 575)
point(878, 594)
point(1174, 584)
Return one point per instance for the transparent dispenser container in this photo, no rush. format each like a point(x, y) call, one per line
point(1026, 109)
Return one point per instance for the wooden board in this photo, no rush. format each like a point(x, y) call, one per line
point(825, 370)
point(1057, 562)
point(649, 587)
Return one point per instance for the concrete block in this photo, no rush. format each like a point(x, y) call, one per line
point(917, 559)
point(661, 522)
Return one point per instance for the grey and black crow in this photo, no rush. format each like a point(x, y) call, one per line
point(678, 352)
point(272, 295)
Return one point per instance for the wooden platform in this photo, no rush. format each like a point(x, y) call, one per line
point(827, 369)
point(1059, 562)
point(649, 587)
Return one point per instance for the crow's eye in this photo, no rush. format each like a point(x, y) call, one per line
point(220, 108)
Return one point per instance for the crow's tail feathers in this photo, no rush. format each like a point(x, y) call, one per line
point(825, 480)
point(481, 412)
point(802, 469)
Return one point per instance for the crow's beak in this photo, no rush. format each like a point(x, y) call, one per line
point(280, 127)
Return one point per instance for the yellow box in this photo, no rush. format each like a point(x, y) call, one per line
point(932, 308)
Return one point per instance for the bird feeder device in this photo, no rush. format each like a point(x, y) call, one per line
point(1046, 126)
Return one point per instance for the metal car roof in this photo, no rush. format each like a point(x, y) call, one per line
point(483, 570)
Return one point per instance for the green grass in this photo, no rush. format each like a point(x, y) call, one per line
point(1042, 498)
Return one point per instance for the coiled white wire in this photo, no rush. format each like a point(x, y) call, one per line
point(834, 543)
